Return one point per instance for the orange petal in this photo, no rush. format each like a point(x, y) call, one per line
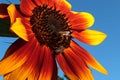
point(3, 11)
point(89, 59)
point(34, 75)
point(13, 13)
point(19, 28)
point(27, 6)
point(65, 66)
point(24, 71)
point(63, 5)
point(14, 47)
point(6, 76)
point(38, 2)
point(81, 20)
point(91, 37)
point(16, 59)
point(55, 71)
point(77, 65)
point(3, 16)
point(48, 61)
point(41, 2)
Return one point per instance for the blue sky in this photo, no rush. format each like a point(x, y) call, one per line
point(107, 20)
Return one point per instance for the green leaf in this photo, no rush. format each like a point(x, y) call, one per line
point(5, 28)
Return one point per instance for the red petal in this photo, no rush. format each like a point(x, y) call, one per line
point(24, 71)
point(65, 66)
point(21, 29)
point(27, 6)
point(41, 2)
point(17, 58)
point(14, 13)
point(88, 59)
point(36, 72)
point(81, 20)
point(3, 11)
point(14, 47)
point(77, 65)
point(6, 76)
point(91, 37)
point(48, 61)
point(63, 5)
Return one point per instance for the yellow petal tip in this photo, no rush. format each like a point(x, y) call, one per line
point(104, 71)
point(89, 17)
point(19, 29)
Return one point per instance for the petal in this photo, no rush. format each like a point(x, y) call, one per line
point(87, 57)
point(91, 37)
point(63, 5)
point(19, 28)
point(24, 71)
point(77, 65)
point(67, 69)
point(40, 72)
point(13, 13)
point(48, 61)
point(6, 76)
point(41, 2)
point(34, 75)
point(14, 47)
point(3, 10)
point(81, 20)
point(55, 72)
point(3, 16)
point(80, 67)
point(15, 60)
point(26, 6)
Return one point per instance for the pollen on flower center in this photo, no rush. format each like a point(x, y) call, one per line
point(51, 28)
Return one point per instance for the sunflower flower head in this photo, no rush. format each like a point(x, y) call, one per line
point(51, 28)
point(46, 29)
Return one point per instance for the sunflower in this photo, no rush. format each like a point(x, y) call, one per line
point(46, 29)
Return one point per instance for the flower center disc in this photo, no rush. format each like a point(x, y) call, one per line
point(51, 28)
